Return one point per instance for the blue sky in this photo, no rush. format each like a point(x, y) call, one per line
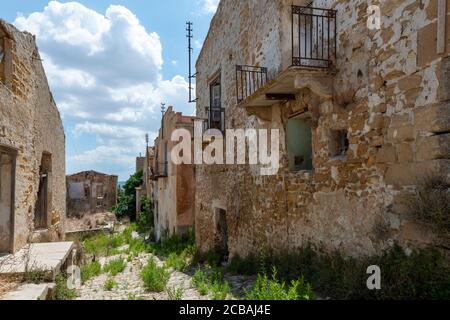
point(110, 65)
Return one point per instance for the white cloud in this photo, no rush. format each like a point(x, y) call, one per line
point(105, 72)
point(210, 6)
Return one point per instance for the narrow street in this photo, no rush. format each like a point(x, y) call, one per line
point(131, 287)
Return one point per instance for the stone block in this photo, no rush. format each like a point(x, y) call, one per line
point(401, 134)
point(405, 153)
point(387, 154)
point(399, 175)
point(434, 147)
point(433, 118)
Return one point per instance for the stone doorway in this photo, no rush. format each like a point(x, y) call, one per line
point(222, 233)
point(7, 185)
point(42, 203)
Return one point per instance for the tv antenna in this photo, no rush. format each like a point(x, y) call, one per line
point(190, 36)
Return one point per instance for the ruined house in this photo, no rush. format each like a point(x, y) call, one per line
point(174, 187)
point(32, 147)
point(363, 113)
point(90, 192)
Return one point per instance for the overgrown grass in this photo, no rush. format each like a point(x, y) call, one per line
point(110, 284)
point(175, 244)
point(90, 271)
point(430, 204)
point(35, 275)
point(267, 288)
point(155, 278)
point(210, 259)
point(62, 292)
point(114, 267)
point(421, 275)
point(175, 293)
point(213, 284)
point(106, 245)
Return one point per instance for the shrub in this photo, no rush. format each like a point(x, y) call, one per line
point(145, 222)
point(273, 289)
point(213, 284)
point(103, 245)
point(175, 293)
point(177, 262)
point(155, 278)
point(35, 275)
point(200, 281)
point(90, 270)
point(116, 266)
point(210, 258)
point(62, 292)
point(430, 204)
point(421, 275)
point(126, 204)
point(110, 284)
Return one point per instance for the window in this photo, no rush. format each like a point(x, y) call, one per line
point(216, 112)
point(299, 143)
point(99, 191)
point(338, 143)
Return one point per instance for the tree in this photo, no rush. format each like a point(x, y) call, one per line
point(126, 204)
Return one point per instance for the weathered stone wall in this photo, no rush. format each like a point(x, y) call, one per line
point(389, 91)
point(82, 193)
point(173, 190)
point(30, 123)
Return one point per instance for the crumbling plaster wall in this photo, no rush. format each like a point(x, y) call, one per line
point(174, 193)
point(389, 92)
point(30, 123)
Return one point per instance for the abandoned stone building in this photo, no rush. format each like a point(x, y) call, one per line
point(174, 187)
point(90, 192)
point(32, 147)
point(363, 114)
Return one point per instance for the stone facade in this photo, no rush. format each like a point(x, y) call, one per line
point(32, 147)
point(386, 95)
point(174, 187)
point(140, 161)
point(90, 192)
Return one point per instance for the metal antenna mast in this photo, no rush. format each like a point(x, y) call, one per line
point(190, 29)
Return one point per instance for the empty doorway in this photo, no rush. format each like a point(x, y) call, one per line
point(222, 233)
point(7, 183)
point(43, 196)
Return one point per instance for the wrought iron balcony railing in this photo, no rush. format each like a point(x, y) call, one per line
point(313, 37)
point(248, 80)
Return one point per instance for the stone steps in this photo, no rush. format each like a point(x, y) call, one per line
point(42, 291)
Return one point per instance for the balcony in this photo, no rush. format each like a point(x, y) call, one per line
point(313, 37)
point(313, 56)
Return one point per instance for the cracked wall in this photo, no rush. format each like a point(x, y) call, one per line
point(30, 124)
